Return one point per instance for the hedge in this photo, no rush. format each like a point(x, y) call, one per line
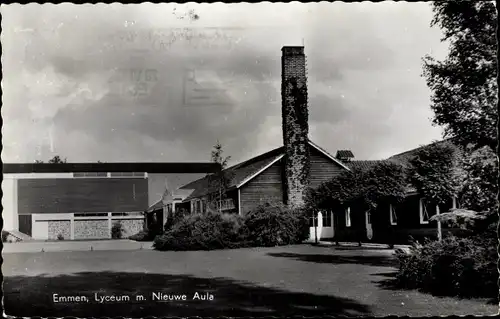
point(265, 226)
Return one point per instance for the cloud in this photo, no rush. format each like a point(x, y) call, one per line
point(114, 81)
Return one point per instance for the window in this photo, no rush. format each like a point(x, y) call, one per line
point(127, 174)
point(427, 210)
point(89, 214)
point(127, 214)
point(226, 204)
point(198, 206)
point(393, 215)
point(327, 219)
point(348, 217)
point(313, 221)
point(448, 205)
point(91, 174)
point(204, 206)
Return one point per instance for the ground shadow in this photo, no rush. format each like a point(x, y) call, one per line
point(390, 283)
point(355, 248)
point(33, 296)
point(337, 259)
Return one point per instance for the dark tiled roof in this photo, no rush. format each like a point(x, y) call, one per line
point(405, 157)
point(355, 165)
point(238, 173)
point(344, 154)
point(244, 170)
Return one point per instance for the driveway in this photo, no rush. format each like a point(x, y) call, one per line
point(293, 280)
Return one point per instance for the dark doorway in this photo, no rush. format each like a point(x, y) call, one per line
point(25, 224)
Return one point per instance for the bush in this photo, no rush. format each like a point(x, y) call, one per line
point(203, 232)
point(6, 237)
point(174, 219)
point(117, 230)
point(275, 225)
point(454, 266)
point(60, 237)
point(143, 235)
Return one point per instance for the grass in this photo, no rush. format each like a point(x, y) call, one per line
point(282, 281)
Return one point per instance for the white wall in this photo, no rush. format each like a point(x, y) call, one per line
point(37, 175)
point(9, 203)
point(40, 229)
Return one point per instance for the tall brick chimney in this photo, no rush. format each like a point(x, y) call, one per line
point(295, 124)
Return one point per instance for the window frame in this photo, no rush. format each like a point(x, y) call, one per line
point(421, 210)
point(327, 216)
point(393, 216)
point(347, 212)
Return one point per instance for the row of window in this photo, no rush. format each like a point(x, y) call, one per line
point(426, 211)
point(112, 174)
point(106, 214)
point(200, 205)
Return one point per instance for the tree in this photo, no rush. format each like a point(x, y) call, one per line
point(435, 175)
point(54, 160)
point(366, 188)
point(464, 85)
point(219, 181)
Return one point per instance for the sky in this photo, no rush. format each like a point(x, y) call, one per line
point(165, 82)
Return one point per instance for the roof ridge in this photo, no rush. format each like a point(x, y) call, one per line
point(422, 146)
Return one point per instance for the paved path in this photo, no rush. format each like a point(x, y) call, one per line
point(43, 246)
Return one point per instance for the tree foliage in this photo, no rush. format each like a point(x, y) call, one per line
point(385, 181)
point(434, 172)
point(480, 185)
point(464, 85)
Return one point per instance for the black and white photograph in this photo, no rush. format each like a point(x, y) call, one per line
point(250, 159)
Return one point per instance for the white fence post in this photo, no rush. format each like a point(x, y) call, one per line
point(110, 226)
point(72, 226)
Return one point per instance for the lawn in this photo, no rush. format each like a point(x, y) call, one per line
point(294, 280)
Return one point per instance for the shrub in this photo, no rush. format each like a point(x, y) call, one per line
point(60, 237)
point(454, 266)
point(203, 232)
point(143, 235)
point(174, 219)
point(275, 225)
point(117, 230)
point(6, 237)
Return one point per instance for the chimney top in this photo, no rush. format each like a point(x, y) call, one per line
point(293, 50)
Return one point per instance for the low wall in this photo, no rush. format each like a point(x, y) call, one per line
point(91, 229)
point(59, 229)
point(68, 226)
